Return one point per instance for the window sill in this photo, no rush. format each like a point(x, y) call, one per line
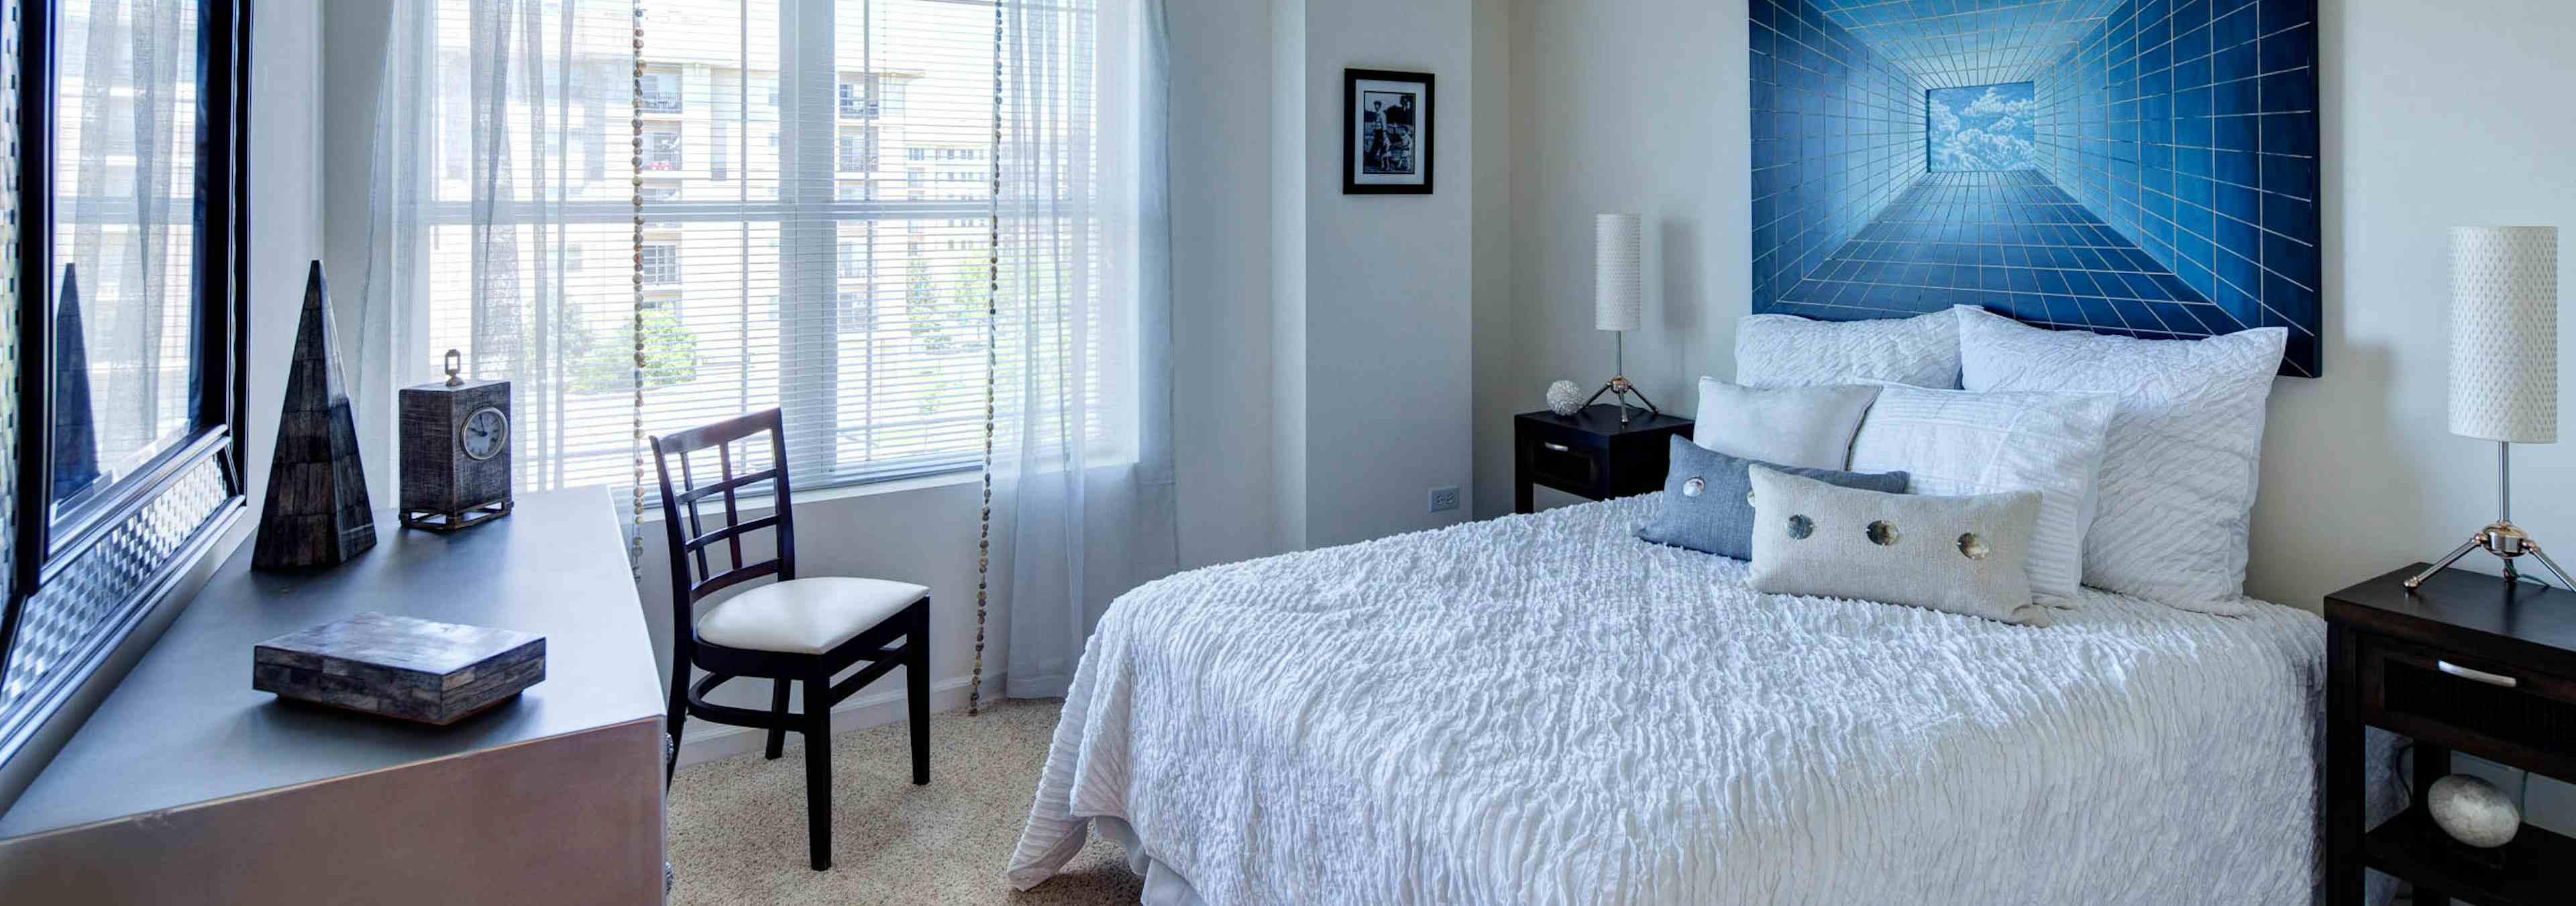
point(846, 492)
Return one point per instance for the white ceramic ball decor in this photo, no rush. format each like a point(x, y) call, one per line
point(1564, 397)
point(2473, 811)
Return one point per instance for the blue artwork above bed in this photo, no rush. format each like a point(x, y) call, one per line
point(2136, 167)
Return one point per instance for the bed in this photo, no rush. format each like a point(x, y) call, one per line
point(1543, 709)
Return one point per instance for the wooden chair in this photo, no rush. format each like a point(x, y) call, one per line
point(791, 630)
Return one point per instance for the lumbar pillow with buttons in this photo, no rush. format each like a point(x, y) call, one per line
point(1963, 555)
point(1803, 427)
point(1704, 507)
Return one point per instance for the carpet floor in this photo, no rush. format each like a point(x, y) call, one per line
point(737, 826)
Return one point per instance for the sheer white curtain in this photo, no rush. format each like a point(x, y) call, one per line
point(503, 147)
point(1081, 461)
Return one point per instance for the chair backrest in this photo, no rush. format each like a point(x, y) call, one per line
point(692, 578)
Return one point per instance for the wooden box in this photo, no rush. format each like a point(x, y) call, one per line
point(413, 669)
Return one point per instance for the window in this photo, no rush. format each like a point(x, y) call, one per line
point(661, 265)
point(660, 91)
point(787, 284)
point(858, 154)
point(661, 149)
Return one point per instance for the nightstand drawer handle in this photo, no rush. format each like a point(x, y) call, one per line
point(2482, 676)
point(1561, 448)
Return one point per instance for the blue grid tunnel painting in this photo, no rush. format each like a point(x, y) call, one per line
point(2137, 167)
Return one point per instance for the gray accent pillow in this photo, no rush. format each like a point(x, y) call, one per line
point(1805, 427)
point(1963, 555)
point(1704, 506)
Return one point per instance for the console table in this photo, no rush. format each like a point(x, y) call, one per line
point(186, 786)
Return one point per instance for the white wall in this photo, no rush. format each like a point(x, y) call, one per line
point(1387, 385)
point(1636, 107)
point(1642, 106)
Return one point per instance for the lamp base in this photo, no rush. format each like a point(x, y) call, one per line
point(1618, 386)
point(2505, 540)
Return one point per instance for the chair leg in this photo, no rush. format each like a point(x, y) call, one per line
point(674, 721)
point(777, 706)
point(818, 769)
point(916, 681)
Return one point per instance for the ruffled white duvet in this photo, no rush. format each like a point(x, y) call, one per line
point(1543, 709)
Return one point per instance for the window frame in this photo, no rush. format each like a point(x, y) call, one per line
point(43, 552)
point(816, 199)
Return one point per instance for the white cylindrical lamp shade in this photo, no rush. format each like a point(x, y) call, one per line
point(1618, 272)
point(2504, 333)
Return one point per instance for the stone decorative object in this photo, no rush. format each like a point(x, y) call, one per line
point(402, 667)
point(2473, 811)
point(1564, 398)
point(75, 434)
point(317, 513)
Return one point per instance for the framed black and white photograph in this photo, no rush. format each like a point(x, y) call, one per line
point(1386, 132)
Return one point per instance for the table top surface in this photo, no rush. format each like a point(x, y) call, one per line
point(185, 727)
point(1603, 418)
point(2525, 612)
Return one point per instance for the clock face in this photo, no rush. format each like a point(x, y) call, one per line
point(485, 433)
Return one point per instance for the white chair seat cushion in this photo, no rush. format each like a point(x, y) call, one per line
point(805, 616)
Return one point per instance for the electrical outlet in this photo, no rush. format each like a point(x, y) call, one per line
point(1444, 499)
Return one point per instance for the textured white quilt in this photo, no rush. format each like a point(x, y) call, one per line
point(1543, 709)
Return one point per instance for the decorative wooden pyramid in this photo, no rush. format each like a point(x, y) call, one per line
point(75, 433)
point(317, 513)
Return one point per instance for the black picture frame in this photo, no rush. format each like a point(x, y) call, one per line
point(1424, 150)
point(124, 554)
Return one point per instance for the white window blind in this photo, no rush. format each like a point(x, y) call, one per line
point(815, 179)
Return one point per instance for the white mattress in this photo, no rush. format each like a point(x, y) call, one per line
point(1542, 709)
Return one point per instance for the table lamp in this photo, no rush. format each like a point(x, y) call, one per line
point(2504, 367)
point(1619, 297)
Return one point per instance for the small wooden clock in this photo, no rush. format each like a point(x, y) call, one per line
point(455, 451)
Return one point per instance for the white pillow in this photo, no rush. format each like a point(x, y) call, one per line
point(1790, 351)
point(1802, 427)
point(2186, 442)
point(1955, 443)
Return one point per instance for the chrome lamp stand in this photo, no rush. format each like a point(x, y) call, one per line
point(2501, 538)
point(1619, 386)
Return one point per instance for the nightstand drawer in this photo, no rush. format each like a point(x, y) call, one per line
point(1565, 466)
point(2466, 703)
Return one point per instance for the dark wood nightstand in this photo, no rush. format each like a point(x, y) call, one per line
point(1590, 454)
point(2467, 663)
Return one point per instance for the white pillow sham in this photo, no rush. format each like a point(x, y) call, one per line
point(1958, 443)
point(1801, 427)
point(2185, 447)
point(1790, 351)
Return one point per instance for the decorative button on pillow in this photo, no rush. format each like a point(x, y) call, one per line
point(1805, 427)
point(1964, 555)
point(1705, 505)
point(2182, 455)
point(1790, 351)
point(1954, 442)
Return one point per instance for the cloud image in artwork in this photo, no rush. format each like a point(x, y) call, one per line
point(1983, 127)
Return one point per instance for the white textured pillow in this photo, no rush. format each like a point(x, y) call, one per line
point(1953, 442)
point(1790, 351)
point(1803, 427)
point(2178, 472)
point(1965, 555)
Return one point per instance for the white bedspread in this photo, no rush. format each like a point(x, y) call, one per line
point(1542, 709)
